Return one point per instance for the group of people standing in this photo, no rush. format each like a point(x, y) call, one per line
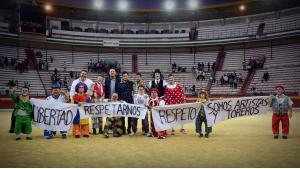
point(114, 89)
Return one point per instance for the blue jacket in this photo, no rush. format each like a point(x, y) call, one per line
point(107, 86)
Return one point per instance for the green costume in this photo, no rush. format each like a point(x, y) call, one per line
point(22, 112)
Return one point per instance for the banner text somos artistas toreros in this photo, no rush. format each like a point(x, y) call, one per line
point(225, 109)
point(52, 115)
point(112, 109)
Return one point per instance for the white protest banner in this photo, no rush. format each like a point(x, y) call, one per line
point(53, 115)
point(112, 109)
point(168, 116)
point(225, 109)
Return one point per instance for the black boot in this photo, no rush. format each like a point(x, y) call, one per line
point(206, 135)
point(94, 131)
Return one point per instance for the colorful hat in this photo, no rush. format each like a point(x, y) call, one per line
point(26, 87)
point(153, 90)
point(55, 86)
point(204, 92)
point(279, 86)
point(81, 84)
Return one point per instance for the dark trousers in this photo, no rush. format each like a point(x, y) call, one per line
point(123, 124)
point(134, 124)
point(129, 124)
point(145, 124)
point(198, 123)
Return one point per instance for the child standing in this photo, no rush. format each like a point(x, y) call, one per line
point(201, 117)
point(80, 126)
point(141, 99)
point(23, 112)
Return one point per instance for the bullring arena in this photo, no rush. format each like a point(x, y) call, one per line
point(243, 142)
point(225, 50)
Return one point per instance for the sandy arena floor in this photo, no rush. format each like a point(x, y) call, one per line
point(242, 142)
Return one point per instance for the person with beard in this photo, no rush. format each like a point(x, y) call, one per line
point(61, 97)
point(138, 82)
point(83, 78)
point(282, 111)
point(126, 94)
point(174, 94)
point(23, 112)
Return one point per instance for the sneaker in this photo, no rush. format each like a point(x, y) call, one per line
point(94, 132)
point(161, 137)
point(63, 136)
point(206, 135)
point(49, 137)
point(28, 138)
point(201, 135)
point(132, 134)
point(284, 137)
point(182, 131)
point(87, 136)
point(77, 136)
point(275, 137)
point(106, 136)
point(149, 135)
point(19, 138)
point(117, 135)
point(197, 134)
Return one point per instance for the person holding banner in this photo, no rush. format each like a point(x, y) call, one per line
point(201, 117)
point(113, 123)
point(80, 126)
point(155, 101)
point(23, 112)
point(59, 96)
point(98, 96)
point(142, 99)
point(282, 111)
point(174, 94)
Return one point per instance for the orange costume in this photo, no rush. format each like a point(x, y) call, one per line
point(80, 126)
